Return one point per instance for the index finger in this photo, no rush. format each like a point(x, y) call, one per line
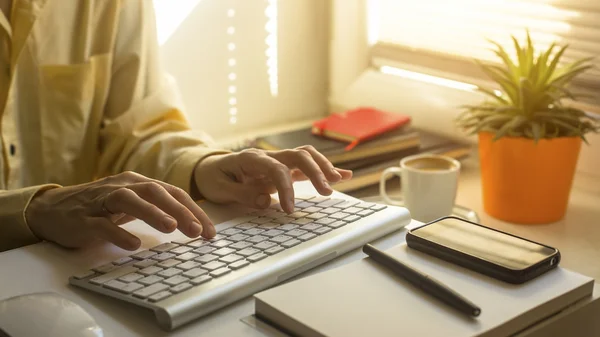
point(279, 175)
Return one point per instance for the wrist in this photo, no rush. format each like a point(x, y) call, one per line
point(33, 211)
point(200, 174)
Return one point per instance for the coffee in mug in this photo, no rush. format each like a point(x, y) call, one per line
point(429, 185)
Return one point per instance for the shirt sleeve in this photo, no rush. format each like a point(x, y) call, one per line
point(13, 224)
point(144, 127)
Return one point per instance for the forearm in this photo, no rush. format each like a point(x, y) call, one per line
point(14, 230)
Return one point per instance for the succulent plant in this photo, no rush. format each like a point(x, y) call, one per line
point(530, 102)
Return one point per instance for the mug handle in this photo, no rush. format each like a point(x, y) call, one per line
point(388, 171)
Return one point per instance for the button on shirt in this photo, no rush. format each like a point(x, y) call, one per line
point(82, 96)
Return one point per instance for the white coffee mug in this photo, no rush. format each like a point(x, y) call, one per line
point(429, 183)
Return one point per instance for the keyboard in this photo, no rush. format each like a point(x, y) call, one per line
point(182, 281)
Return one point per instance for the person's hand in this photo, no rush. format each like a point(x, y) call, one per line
point(250, 176)
point(75, 216)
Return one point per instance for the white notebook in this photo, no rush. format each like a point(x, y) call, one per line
point(365, 299)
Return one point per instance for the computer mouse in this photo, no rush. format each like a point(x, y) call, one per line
point(45, 314)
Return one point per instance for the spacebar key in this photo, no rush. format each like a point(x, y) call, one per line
point(113, 275)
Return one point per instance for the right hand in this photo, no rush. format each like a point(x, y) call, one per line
point(76, 216)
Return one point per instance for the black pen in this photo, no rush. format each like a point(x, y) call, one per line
point(422, 281)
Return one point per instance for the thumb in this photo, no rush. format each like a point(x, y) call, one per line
point(252, 195)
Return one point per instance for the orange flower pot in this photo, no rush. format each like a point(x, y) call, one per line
point(524, 182)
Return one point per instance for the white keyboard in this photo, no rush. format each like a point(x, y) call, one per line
point(184, 280)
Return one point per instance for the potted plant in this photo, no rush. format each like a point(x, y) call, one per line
point(529, 140)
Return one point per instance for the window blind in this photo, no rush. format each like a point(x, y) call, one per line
point(447, 35)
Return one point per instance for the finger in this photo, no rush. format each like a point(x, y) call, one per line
point(108, 231)
point(305, 162)
point(123, 220)
point(256, 164)
point(326, 166)
point(180, 195)
point(297, 175)
point(256, 195)
point(154, 193)
point(127, 201)
point(346, 174)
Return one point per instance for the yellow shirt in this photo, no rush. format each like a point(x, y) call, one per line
point(83, 96)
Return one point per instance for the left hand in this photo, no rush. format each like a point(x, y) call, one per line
point(250, 177)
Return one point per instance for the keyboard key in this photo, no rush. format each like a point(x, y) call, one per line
point(339, 216)
point(153, 289)
point(145, 263)
point(247, 225)
point(222, 243)
point(239, 264)
point(288, 227)
point(169, 272)
point(269, 225)
point(318, 199)
point(325, 221)
point(188, 265)
point(262, 212)
point(322, 230)
point(330, 210)
point(307, 236)
point(106, 268)
point(305, 197)
point(181, 287)
point(205, 250)
point(159, 296)
point(150, 270)
point(265, 245)
point(302, 221)
point(257, 257)
point(337, 224)
point(365, 212)
point(352, 210)
point(231, 231)
point(241, 245)
point(274, 250)
point(148, 280)
point(85, 274)
point(316, 216)
point(114, 285)
point(257, 239)
point(351, 218)
point(275, 215)
point(130, 287)
point(298, 215)
point(198, 243)
point(283, 220)
point(201, 279)
point(262, 220)
point(230, 258)
point(120, 271)
point(132, 277)
point(122, 261)
point(291, 243)
point(311, 227)
point(295, 233)
point(304, 204)
point(213, 265)
point(365, 205)
point(312, 209)
point(238, 237)
point(206, 258)
point(220, 272)
point(273, 232)
point(281, 238)
point(193, 273)
point(185, 241)
point(165, 247)
point(168, 263)
point(175, 280)
point(346, 204)
point(181, 250)
point(223, 251)
point(254, 231)
point(378, 207)
point(248, 252)
point(163, 256)
point(187, 256)
point(144, 254)
point(329, 203)
point(216, 238)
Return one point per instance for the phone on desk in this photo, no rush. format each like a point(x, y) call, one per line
point(483, 249)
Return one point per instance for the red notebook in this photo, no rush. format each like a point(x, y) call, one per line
point(359, 125)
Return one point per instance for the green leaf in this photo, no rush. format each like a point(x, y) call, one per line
point(528, 56)
point(513, 124)
point(520, 56)
point(501, 52)
point(553, 64)
point(493, 95)
point(566, 77)
point(536, 130)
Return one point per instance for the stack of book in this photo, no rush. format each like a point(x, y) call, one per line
point(367, 154)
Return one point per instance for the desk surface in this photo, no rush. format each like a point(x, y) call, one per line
point(45, 267)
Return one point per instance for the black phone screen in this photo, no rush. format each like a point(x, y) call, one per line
point(483, 243)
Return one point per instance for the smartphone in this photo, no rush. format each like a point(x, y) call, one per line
point(500, 255)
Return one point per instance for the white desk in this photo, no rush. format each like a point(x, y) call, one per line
point(45, 267)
